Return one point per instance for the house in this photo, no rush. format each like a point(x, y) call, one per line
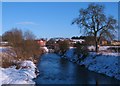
point(77, 40)
point(115, 42)
point(103, 41)
point(90, 40)
point(41, 42)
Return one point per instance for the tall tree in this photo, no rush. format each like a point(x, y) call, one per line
point(95, 23)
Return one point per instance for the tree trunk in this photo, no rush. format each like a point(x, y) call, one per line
point(96, 46)
point(96, 43)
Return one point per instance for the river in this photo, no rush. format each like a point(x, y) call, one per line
point(56, 70)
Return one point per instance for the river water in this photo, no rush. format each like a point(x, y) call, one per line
point(56, 70)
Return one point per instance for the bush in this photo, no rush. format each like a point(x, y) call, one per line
point(63, 46)
point(50, 44)
point(81, 51)
point(23, 44)
point(114, 49)
point(6, 60)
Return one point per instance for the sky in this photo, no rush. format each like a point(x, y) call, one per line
point(47, 19)
point(60, 0)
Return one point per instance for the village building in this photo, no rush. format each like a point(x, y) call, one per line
point(41, 42)
point(73, 41)
point(103, 41)
point(115, 42)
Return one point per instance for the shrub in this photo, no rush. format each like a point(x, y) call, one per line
point(50, 43)
point(6, 60)
point(23, 44)
point(81, 51)
point(63, 46)
point(114, 49)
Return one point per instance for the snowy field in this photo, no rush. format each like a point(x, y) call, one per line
point(105, 63)
point(23, 75)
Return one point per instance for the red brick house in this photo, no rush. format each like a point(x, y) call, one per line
point(41, 42)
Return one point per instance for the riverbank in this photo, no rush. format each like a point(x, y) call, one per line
point(100, 63)
point(24, 75)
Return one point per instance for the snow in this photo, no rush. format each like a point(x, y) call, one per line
point(105, 63)
point(101, 48)
point(104, 47)
point(78, 40)
point(110, 53)
point(24, 75)
point(91, 48)
point(46, 49)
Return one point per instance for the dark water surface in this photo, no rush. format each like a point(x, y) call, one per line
point(56, 70)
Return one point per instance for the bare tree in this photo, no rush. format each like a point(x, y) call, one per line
point(31, 47)
point(95, 23)
point(63, 46)
point(28, 35)
point(15, 39)
point(22, 44)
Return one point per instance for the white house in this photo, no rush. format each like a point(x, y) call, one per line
point(77, 40)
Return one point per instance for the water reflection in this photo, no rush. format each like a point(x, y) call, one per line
point(63, 63)
point(56, 70)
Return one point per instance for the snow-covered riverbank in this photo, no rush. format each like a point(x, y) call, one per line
point(24, 75)
point(11, 75)
point(107, 64)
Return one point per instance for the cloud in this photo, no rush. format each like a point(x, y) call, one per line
point(26, 23)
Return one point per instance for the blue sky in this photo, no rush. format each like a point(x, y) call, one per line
point(60, 0)
point(47, 19)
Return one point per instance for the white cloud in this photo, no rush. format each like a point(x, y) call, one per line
point(26, 23)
